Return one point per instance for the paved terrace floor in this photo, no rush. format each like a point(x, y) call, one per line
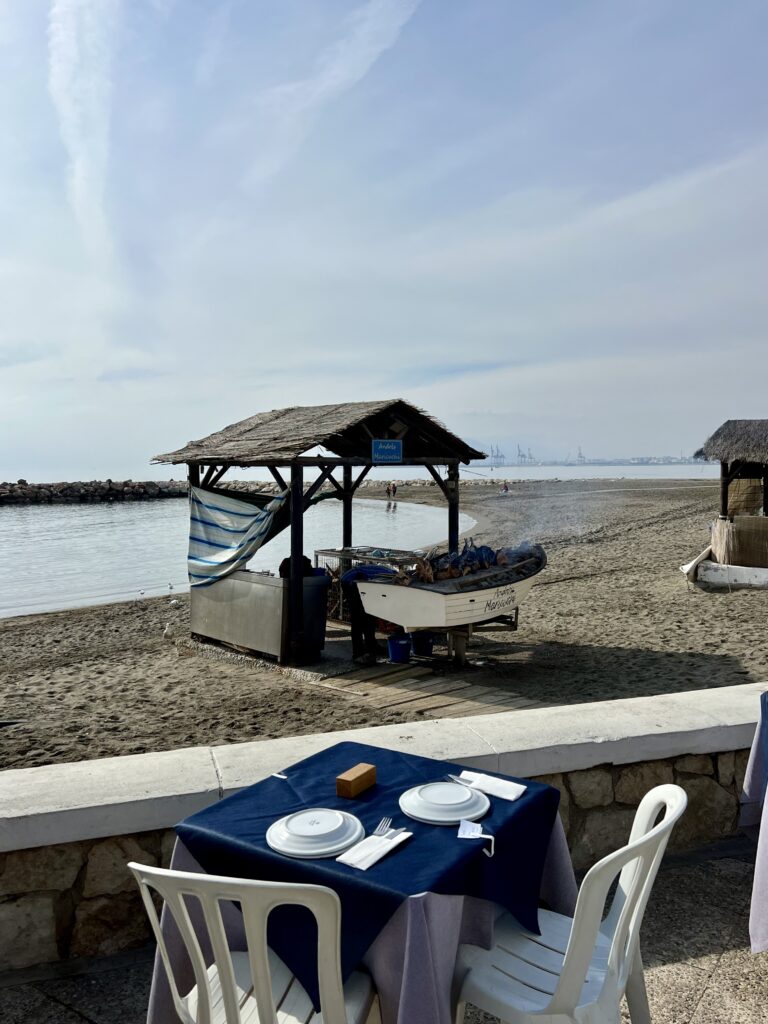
point(699, 969)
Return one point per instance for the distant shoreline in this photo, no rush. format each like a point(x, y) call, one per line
point(81, 492)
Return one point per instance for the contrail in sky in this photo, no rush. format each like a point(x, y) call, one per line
point(81, 37)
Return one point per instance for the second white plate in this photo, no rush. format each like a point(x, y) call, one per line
point(444, 803)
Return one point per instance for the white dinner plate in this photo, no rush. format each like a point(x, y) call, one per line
point(314, 832)
point(444, 803)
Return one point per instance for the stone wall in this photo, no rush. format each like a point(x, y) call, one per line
point(78, 899)
point(93, 491)
point(75, 899)
point(597, 805)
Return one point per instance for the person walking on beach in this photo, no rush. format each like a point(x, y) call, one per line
point(394, 490)
point(389, 491)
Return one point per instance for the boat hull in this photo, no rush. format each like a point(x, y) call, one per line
point(713, 575)
point(422, 608)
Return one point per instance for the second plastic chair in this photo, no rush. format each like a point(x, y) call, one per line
point(578, 969)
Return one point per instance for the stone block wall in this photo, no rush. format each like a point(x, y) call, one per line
point(78, 899)
point(75, 899)
point(598, 804)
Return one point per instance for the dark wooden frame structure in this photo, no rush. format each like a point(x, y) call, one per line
point(741, 448)
point(267, 440)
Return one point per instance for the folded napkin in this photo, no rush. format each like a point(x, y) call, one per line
point(504, 788)
point(368, 851)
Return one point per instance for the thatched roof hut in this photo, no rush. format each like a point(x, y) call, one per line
point(356, 434)
point(737, 441)
point(741, 448)
point(283, 435)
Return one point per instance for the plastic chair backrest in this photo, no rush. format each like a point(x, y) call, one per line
point(256, 900)
point(636, 864)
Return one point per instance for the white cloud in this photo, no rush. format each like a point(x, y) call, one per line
point(284, 112)
point(81, 39)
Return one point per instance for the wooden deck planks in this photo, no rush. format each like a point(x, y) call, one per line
point(395, 696)
point(416, 688)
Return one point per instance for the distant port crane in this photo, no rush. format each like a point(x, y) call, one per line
point(497, 456)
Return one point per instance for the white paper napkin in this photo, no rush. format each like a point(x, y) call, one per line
point(504, 788)
point(368, 851)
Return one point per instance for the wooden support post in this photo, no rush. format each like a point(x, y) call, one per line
point(193, 473)
point(453, 508)
point(724, 481)
point(765, 490)
point(346, 522)
point(296, 581)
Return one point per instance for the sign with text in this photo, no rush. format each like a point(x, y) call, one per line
point(386, 451)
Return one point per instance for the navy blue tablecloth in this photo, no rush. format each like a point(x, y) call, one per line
point(228, 838)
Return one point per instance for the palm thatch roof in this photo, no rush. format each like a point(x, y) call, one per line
point(279, 436)
point(737, 441)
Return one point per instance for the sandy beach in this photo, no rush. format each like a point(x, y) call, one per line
point(611, 617)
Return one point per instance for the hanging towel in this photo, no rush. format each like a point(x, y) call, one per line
point(224, 533)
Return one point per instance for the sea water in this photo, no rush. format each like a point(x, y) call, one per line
point(65, 556)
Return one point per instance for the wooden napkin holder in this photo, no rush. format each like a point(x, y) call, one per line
point(356, 780)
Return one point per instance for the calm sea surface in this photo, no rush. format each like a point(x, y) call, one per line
point(64, 556)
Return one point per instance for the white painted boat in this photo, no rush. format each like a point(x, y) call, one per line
point(447, 604)
point(706, 573)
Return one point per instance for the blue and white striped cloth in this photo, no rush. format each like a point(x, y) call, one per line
point(224, 533)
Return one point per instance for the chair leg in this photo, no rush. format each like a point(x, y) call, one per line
point(637, 997)
point(459, 1015)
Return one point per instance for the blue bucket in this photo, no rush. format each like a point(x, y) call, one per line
point(399, 649)
point(423, 642)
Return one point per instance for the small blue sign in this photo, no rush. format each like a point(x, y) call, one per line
point(386, 451)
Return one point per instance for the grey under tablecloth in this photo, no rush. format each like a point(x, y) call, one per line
point(413, 958)
point(754, 819)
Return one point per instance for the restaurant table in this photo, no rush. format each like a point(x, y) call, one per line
point(754, 820)
point(404, 918)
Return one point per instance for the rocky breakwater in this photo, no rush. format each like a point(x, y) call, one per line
point(93, 491)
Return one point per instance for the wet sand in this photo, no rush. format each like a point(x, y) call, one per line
point(610, 617)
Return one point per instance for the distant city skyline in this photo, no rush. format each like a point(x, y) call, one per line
point(536, 221)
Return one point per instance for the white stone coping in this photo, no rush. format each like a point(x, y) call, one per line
point(124, 795)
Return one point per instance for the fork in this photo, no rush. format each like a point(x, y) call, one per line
point(383, 827)
point(456, 778)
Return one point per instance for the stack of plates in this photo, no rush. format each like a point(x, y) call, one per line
point(444, 803)
point(315, 832)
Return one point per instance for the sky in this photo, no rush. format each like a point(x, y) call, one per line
point(545, 223)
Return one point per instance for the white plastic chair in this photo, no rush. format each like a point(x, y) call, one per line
point(253, 987)
point(578, 969)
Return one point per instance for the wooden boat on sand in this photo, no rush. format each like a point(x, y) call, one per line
point(483, 596)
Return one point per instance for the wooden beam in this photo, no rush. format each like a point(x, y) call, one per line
point(356, 483)
point(193, 474)
point(765, 491)
point(218, 475)
point(439, 481)
point(296, 580)
point(724, 481)
point(278, 478)
point(209, 475)
point(326, 474)
point(453, 509)
point(346, 521)
point(325, 460)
